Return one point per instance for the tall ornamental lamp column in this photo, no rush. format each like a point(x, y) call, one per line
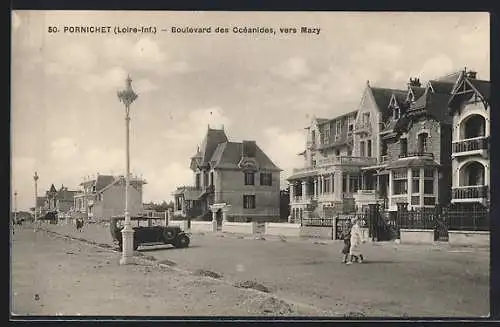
point(127, 96)
point(35, 178)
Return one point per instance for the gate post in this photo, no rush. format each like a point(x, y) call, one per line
point(373, 221)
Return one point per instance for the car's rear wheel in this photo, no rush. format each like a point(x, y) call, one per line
point(182, 242)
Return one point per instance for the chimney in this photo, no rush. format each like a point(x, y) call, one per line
point(249, 149)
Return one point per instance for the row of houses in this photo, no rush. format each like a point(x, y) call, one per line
point(422, 146)
point(99, 198)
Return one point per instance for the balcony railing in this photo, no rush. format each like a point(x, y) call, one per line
point(417, 154)
point(478, 143)
point(305, 169)
point(340, 160)
point(470, 192)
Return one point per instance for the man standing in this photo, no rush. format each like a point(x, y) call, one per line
point(356, 240)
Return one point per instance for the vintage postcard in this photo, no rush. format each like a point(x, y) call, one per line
point(250, 164)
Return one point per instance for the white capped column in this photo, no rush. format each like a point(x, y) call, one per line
point(408, 186)
point(316, 186)
point(304, 190)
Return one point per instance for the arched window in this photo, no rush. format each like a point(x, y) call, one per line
point(472, 174)
point(474, 126)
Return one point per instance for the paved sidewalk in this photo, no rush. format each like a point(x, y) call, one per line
point(56, 276)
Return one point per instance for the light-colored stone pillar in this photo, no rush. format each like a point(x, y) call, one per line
point(389, 196)
point(348, 183)
point(304, 190)
point(316, 186)
point(332, 183)
point(436, 185)
point(292, 192)
point(214, 215)
point(421, 186)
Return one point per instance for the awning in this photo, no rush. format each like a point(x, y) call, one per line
point(302, 175)
point(413, 162)
point(382, 173)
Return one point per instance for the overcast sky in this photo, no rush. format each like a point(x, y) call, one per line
point(67, 121)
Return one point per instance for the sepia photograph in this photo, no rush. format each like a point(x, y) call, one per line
point(250, 164)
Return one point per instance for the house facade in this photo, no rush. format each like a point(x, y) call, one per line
point(415, 155)
point(234, 181)
point(470, 108)
point(103, 197)
point(398, 150)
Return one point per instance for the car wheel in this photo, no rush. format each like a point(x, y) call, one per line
point(182, 242)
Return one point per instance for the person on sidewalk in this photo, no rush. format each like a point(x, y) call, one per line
point(356, 240)
point(346, 236)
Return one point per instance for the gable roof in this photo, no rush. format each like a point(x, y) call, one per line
point(471, 86)
point(228, 155)
point(102, 181)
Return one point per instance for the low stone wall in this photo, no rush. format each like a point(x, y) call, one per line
point(238, 228)
point(201, 226)
point(317, 232)
point(283, 229)
point(417, 236)
point(183, 224)
point(479, 238)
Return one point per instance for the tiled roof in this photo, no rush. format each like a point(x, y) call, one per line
point(436, 104)
point(213, 138)
point(484, 87)
point(382, 98)
point(442, 87)
point(102, 181)
point(417, 91)
point(228, 155)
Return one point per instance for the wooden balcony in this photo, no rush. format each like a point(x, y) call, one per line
point(470, 192)
point(470, 145)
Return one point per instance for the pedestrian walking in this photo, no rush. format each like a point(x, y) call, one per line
point(356, 240)
point(346, 236)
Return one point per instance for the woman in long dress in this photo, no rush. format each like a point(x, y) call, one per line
point(356, 240)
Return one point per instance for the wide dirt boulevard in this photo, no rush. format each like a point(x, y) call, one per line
point(395, 280)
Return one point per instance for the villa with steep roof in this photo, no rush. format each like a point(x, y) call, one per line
point(396, 148)
point(233, 181)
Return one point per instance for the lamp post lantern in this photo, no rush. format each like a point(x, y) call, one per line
point(127, 96)
point(35, 178)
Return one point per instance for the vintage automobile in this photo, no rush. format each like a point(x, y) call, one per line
point(148, 235)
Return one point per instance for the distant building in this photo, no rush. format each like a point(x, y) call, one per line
point(60, 200)
point(103, 197)
point(232, 180)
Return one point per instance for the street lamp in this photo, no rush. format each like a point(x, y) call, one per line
point(127, 96)
point(35, 178)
